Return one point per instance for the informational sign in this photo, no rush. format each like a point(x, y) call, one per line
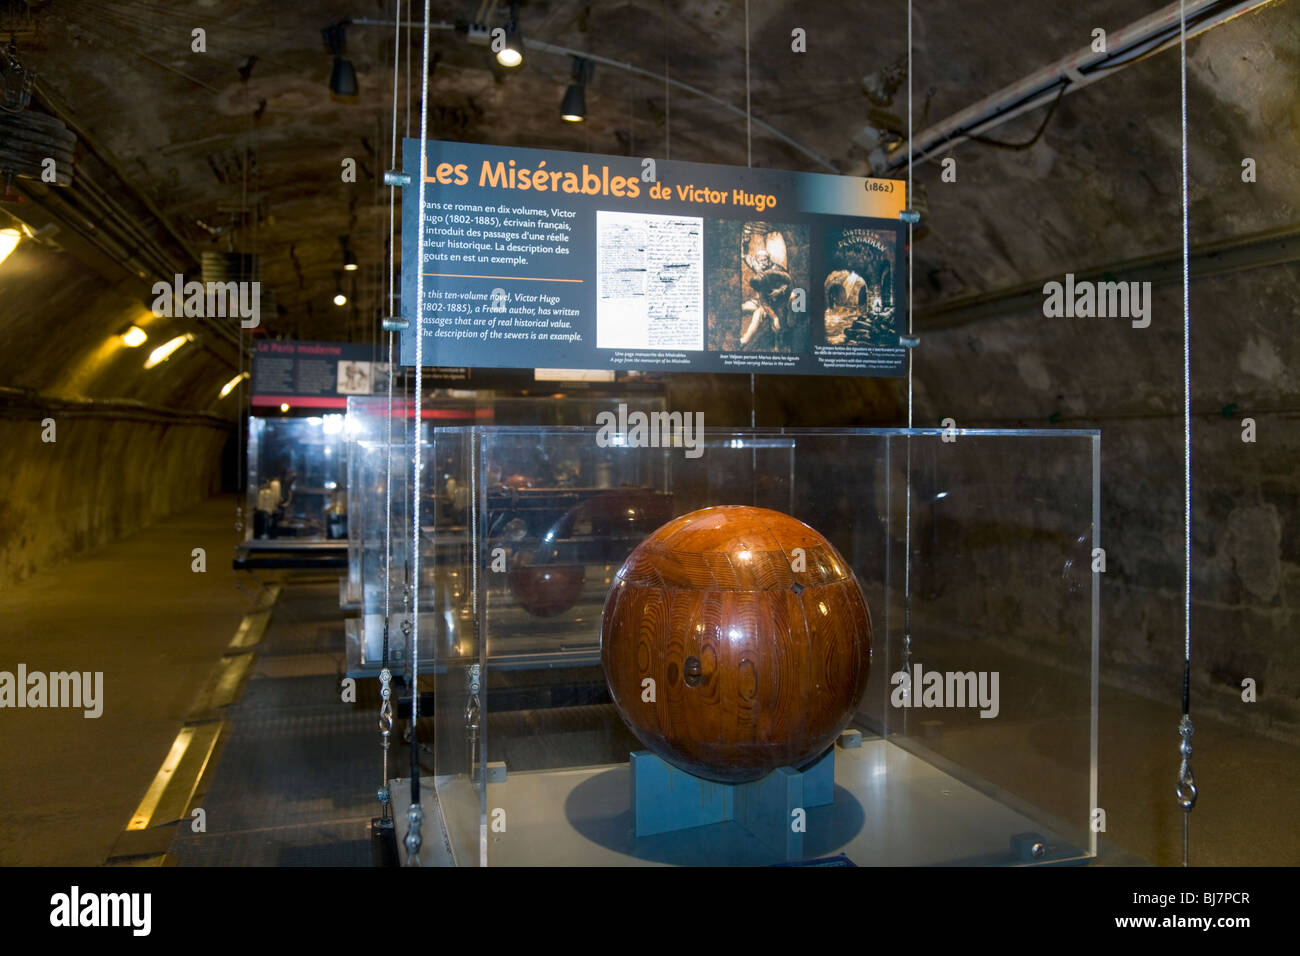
point(315, 374)
point(535, 258)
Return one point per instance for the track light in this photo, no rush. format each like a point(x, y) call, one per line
point(511, 53)
point(573, 109)
point(343, 77)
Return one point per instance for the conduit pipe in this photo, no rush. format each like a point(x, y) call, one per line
point(1125, 46)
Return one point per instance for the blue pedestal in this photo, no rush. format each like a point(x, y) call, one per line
point(774, 809)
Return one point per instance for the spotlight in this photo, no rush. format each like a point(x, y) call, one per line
point(343, 78)
point(349, 260)
point(512, 53)
point(340, 299)
point(133, 337)
point(574, 107)
point(284, 407)
point(9, 239)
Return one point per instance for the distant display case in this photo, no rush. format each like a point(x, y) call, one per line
point(542, 494)
point(526, 532)
point(297, 482)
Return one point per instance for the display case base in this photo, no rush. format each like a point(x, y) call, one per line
point(666, 799)
point(584, 817)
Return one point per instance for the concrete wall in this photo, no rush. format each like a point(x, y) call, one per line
point(100, 480)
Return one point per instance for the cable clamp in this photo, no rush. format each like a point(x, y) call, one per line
point(394, 177)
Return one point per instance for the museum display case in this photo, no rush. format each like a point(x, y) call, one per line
point(297, 488)
point(542, 492)
point(984, 753)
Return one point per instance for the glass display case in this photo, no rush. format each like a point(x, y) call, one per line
point(537, 495)
point(297, 488)
point(985, 753)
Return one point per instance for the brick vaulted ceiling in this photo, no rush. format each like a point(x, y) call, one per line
point(243, 143)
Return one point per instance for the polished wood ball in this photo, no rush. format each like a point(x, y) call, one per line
point(546, 589)
point(759, 659)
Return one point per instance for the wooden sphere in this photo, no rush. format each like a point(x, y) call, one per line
point(546, 590)
point(756, 665)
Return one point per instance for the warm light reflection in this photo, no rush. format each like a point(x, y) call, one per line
point(163, 352)
point(9, 239)
point(232, 384)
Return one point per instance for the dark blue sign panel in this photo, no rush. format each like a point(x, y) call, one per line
point(535, 258)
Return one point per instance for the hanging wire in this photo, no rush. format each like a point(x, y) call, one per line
point(749, 162)
point(749, 122)
point(1186, 789)
point(388, 479)
point(907, 526)
point(668, 94)
point(415, 814)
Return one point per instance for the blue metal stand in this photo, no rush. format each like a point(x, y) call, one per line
point(774, 809)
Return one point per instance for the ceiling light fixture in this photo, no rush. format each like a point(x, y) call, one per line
point(232, 385)
point(573, 109)
point(349, 259)
point(134, 337)
point(511, 53)
point(163, 352)
point(343, 77)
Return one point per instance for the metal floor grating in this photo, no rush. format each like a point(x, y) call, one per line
point(295, 782)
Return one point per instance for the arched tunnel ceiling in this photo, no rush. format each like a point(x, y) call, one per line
point(203, 142)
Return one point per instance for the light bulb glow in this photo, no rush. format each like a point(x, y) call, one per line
point(232, 384)
point(133, 337)
point(284, 406)
point(340, 299)
point(163, 352)
point(9, 239)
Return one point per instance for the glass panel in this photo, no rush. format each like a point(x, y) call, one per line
point(297, 484)
point(935, 782)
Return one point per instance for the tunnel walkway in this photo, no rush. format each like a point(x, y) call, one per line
point(135, 612)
